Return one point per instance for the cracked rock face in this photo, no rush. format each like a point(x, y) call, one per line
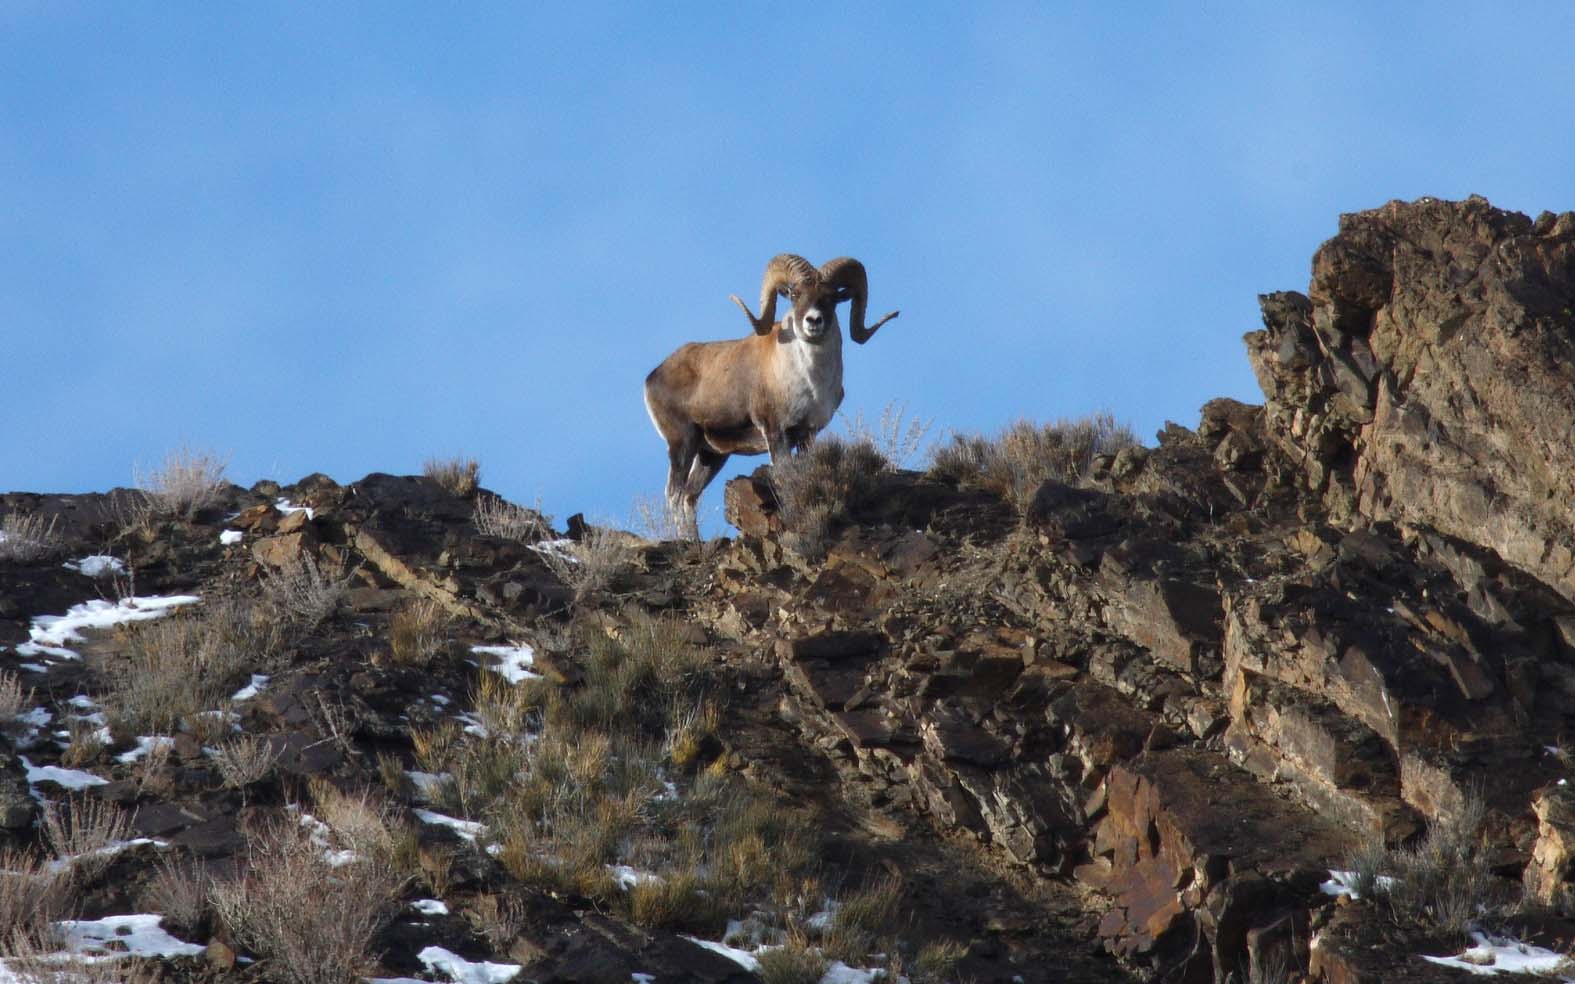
point(1425, 378)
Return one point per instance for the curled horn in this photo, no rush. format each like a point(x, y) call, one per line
point(852, 283)
point(785, 272)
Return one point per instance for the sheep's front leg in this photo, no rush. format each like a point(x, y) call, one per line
point(778, 447)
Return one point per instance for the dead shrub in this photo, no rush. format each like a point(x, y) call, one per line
point(897, 437)
point(187, 483)
point(304, 591)
point(246, 759)
point(591, 563)
point(80, 830)
point(498, 517)
point(457, 476)
point(416, 631)
point(1027, 454)
point(26, 537)
point(678, 901)
point(33, 894)
point(179, 892)
point(15, 700)
point(1444, 881)
point(817, 488)
point(313, 921)
point(37, 959)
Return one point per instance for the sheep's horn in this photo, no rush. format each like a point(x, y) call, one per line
point(852, 283)
point(785, 273)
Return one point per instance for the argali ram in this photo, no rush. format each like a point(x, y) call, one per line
point(768, 393)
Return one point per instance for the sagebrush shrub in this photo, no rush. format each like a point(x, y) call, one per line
point(1026, 455)
point(817, 488)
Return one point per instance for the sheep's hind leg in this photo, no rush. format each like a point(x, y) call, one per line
point(682, 456)
point(706, 465)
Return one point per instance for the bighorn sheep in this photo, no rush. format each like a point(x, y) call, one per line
point(766, 393)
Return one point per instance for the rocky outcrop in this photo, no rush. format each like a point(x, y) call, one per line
point(1196, 681)
point(1425, 378)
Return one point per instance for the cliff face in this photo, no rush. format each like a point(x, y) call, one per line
point(1425, 378)
point(1142, 715)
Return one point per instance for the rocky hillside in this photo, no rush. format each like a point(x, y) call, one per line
point(1121, 723)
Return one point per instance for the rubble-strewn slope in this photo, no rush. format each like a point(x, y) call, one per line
point(1140, 719)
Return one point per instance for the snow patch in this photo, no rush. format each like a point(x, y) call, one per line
point(1344, 883)
point(144, 746)
point(628, 877)
point(116, 936)
point(259, 681)
point(96, 565)
point(430, 907)
point(49, 634)
point(231, 537)
point(1501, 955)
point(468, 829)
point(743, 958)
point(841, 973)
point(561, 549)
point(68, 778)
point(427, 783)
point(462, 971)
point(287, 507)
point(107, 851)
point(514, 662)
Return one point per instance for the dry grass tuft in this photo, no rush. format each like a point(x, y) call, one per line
point(176, 668)
point(179, 892)
point(794, 962)
point(304, 591)
point(85, 745)
point(816, 489)
point(457, 476)
point(15, 700)
point(26, 537)
point(416, 631)
point(371, 826)
point(499, 918)
point(1026, 455)
point(79, 828)
point(187, 483)
point(498, 517)
point(897, 438)
point(246, 759)
point(936, 962)
point(313, 922)
point(33, 894)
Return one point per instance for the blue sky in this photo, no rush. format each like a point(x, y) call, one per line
point(346, 238)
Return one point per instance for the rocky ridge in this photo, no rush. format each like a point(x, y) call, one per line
point(1129, 730)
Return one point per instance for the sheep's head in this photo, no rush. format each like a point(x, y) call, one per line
point(815, 295)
